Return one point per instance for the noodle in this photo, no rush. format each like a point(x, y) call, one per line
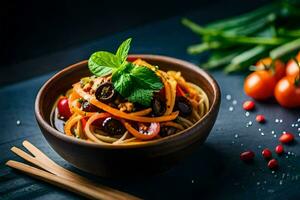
point(83, 124)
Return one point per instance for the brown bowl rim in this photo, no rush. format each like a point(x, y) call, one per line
point(60, 135)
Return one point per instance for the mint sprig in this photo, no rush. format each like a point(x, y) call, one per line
point(136, 83)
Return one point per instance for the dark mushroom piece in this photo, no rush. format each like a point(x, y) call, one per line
point(184, 106)
point(113, 126)
point(105, 92)
point(158, 106)
point(167, 131)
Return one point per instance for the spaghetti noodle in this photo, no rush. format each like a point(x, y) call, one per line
point(118, 121)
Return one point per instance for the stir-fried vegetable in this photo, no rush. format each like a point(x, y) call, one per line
point(236, 43)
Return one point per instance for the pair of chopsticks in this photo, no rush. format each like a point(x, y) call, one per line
point(51, 172)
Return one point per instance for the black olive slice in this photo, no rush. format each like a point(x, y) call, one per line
point(105, 92)
point(158, 106)
point(184, 106)
point(88, 107)
point(113, 126)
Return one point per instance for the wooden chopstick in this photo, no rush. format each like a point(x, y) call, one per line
point(58, 181)
point(64, 173)
point(44, 162)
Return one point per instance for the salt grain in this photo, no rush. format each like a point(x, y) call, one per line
point(230, 109)
point(272, 132)
point(280, 182)
point(247, 114)
point(262, 133)
point(276, 120)
point(18, 122)
point(234, 102)
point(259, 129)
point(236, 135)
point(228, 97)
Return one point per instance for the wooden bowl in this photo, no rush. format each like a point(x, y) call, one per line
point(132, 160)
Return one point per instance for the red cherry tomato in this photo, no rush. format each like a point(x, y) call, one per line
point(292, 68)
point(260, 85)
point(279, 66)
point(287, 92)
point(63, 108)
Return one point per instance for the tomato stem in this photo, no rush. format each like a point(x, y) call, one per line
point(297, 79)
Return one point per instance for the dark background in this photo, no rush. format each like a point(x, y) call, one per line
point(43, 37)
point(31, 29)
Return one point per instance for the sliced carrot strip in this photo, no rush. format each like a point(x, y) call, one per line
point(142, 112)
point(121, 114)
point(70, 123)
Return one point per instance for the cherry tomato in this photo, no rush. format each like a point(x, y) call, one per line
point(292, 68)
point(279, 66)
point(63, 108)
point(260, 85)
point(287, 92)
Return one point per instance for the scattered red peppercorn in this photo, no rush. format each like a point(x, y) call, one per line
point(260, 118)
point(273, 164)
point(267, 154)
point(279, 149)
point(247, 156)
point(286, 138)
point(248, 105)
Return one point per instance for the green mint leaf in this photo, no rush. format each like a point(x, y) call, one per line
point(136, 83)
point(141, 96)
point(122, 80)
point(123, 50)
point(101, 63)
point(146, 78)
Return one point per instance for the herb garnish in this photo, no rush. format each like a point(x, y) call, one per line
point(137, 83)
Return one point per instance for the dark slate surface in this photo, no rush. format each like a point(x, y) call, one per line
point(214, 171)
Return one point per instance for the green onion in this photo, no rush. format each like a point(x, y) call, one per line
point(285, 49)
point(257, 31)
